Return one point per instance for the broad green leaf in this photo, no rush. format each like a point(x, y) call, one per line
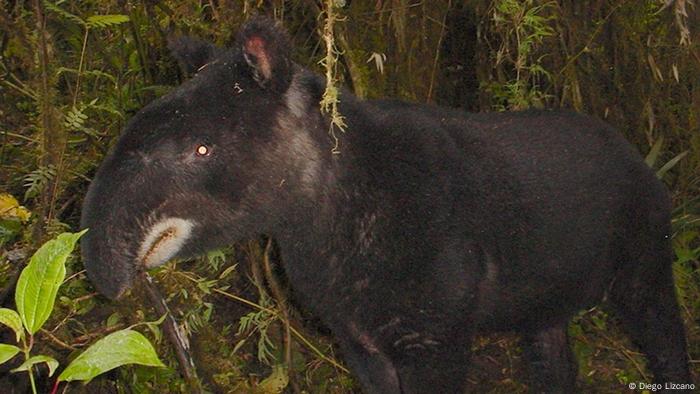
point(50, 362)
point(106, 20)
point(11, 319)
point(39, 281)
point(7, 352)
point(114, 350)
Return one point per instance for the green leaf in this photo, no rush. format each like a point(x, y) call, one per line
point(11, 319)
point(39, 281)
point(50, 362)
point(9, 229)
point(685, 254)
point(670, 164)
point(106, 20)
point(276, 382)
point(228, 270)
point(114, 350)
point(113, 319)
point(154, 327)
point(7, 352)
point(653, 154)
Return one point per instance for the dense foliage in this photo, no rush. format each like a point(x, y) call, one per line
point(72, 73)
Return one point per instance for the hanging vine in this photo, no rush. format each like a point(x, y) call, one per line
point(330, 99)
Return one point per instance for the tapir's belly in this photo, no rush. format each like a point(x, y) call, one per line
point(537, 290)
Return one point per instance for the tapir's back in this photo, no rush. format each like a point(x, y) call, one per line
point(570, 198)
point(550, 196)
point(531, 161)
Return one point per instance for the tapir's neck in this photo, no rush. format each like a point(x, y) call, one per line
point(327, 228)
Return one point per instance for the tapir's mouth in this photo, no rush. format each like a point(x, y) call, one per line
point(163, 241)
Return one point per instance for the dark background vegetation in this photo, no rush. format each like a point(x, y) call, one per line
point(68, 84)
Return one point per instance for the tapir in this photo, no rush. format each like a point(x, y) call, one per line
point(425, 227)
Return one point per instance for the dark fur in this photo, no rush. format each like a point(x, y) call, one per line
point(192, 53)
point(430, 226)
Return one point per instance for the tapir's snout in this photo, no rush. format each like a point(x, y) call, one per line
point(130, 230)
point(109, 248)
point(110, 271)
point(113, 258)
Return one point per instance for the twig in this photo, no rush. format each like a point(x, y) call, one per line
point(617, 348)
point(73, 276)
point(7, 133)
point(437, 52)
point(281, 301)
point(175, 335)
point(57, 341)
point(293, 330)
point(627, 354)
point(83, 339)
point(85, 297)
point(80, 66)
point(592, 37)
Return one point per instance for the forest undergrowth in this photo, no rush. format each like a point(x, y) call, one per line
point(73, 73)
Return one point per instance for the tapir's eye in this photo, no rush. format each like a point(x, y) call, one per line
point(202, 150)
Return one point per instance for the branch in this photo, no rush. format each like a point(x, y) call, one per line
point(177, 338)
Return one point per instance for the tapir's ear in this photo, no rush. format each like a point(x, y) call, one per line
point(266, 48)
point(192, 53)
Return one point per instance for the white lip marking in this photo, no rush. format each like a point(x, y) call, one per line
point(164, 240)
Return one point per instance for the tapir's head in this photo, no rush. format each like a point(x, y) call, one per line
point(217, 159)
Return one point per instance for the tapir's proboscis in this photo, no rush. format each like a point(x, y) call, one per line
point(431, 226)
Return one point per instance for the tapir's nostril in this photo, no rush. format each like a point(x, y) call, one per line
point(163, 241)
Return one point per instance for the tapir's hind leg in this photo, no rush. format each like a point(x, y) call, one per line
point(552, 366)
point(374, 371)
point(372, 367)
point(644, 296)
point(650, 314)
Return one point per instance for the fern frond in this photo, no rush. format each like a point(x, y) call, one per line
point(63, 13)
point(37, 179)
point(97, 21)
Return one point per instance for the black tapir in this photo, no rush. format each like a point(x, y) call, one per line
point(431, 225)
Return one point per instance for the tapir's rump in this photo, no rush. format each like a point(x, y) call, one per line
point(430, 226)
